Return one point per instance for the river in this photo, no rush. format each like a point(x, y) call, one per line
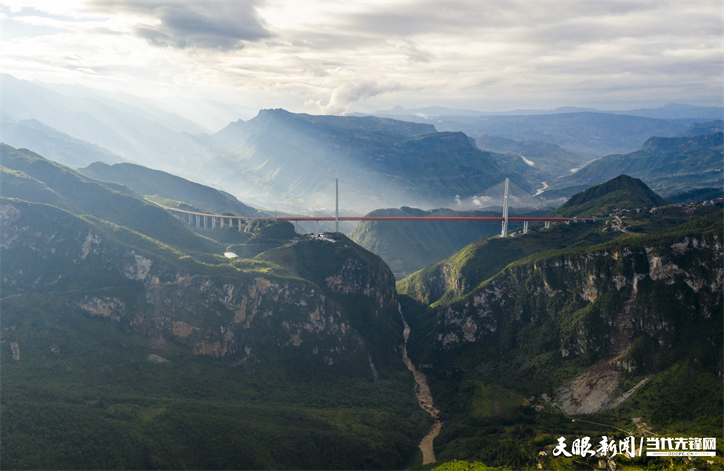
point(541, 190)
point(424, 398)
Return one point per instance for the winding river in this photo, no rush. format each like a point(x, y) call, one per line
point(424, 398)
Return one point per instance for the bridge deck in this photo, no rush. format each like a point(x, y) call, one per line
point(386, 218)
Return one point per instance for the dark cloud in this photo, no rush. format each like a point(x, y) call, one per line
point(207, 25)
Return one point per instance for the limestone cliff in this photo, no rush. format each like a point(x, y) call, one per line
point(220, 309)
point(630, 306)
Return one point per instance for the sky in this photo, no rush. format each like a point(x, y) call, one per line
point(335, 57)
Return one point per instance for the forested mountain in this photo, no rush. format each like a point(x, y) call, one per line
point(408, 246)
point(695, 196)
point(149, 182)
point(623, 326)
point(669, 165)
point(622, 192)
point(131, 342)
point(159, 352)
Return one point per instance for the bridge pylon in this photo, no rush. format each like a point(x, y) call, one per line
point(504, 232)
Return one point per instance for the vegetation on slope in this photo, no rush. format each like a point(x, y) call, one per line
point(503, 325)
point(622, 192)
point(408, 246)
point(146, 181)
point(669, 165)
point(696, 196)
point(487, 388)
point(122, 350)
point(84, 195)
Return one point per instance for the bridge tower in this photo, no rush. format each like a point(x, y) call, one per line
point(504, 232)
point(336, 206)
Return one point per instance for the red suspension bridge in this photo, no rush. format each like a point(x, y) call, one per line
point(210, 221)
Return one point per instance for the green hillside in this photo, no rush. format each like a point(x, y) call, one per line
point(518, 335)
point(83, 195)
point(610, 334)
point(699, 195)
point(356, 278)
point(622, 192)
point(146, 181)
point(122, 350)
point(455, 275)
point(407, 246)
point(668, 165)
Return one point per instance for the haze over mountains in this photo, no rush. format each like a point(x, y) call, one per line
point(286, 161)
point(668, 111)
point(669, 165)
point(587, 132)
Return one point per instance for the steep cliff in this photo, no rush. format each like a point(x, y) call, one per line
point(628, 329)
point(162, 353)
point(214, 309)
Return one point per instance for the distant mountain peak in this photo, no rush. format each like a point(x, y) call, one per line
point(622, 192)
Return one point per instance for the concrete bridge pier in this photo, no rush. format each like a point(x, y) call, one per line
point(504, 230)
point(525, 227)
point(548, 224)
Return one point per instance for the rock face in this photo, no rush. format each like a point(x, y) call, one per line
point(617, 308)
point(215, 310)
point(15, 348)
point(583, 288)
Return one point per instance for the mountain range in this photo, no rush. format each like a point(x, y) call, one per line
point(130, 340)
point(587, 132)
point(134, 339)
point(150, 183)
point(298, 157)
point(669, 165)
point(150, 342)
point(288, 162)
point(618, 328)
point(668, 111)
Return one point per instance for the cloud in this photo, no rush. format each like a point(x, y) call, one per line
point(207, 25)
point(334, 57)
point(345, 95)
point(480, 200)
